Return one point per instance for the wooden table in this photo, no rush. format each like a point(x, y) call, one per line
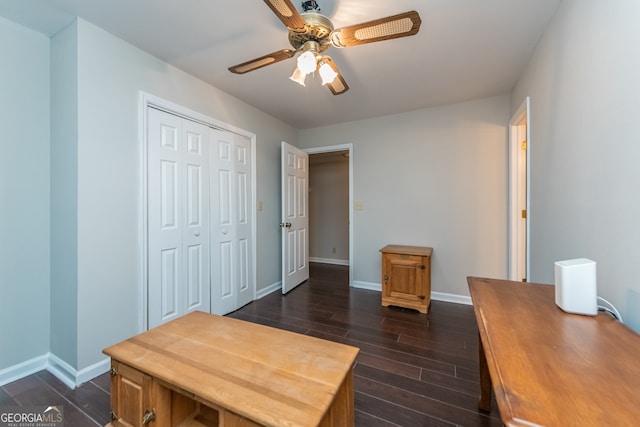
point(550, 368)
point(203, 369)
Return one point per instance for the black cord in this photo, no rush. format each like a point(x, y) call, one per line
point(606, 310)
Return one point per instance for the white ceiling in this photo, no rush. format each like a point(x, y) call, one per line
point(465, 49)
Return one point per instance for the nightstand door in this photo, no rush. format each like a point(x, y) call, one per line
point(404, 277)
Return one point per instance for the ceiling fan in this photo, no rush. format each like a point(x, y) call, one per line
point(311, 34)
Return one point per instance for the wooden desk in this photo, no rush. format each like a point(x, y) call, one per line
point(203, 369)
point(550, 368)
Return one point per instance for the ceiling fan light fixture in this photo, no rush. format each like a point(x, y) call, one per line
point(311, 34)
point(307, 62)
point(327, 73)
point(298, 76)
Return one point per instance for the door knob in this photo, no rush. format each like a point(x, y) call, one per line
point(196, 233)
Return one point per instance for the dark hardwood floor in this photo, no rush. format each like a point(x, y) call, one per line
point(413, 369)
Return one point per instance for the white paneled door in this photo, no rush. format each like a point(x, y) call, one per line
point(178, 217)
point(295, 217)
point(231, 226)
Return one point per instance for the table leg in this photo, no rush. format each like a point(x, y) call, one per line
point(484, 402)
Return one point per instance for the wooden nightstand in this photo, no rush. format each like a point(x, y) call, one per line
point(406, 276)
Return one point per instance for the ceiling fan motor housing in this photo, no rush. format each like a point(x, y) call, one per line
point(318, 29)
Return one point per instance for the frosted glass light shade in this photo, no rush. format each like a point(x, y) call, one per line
point(307, 62)
point(327, 73)
point(298, 76)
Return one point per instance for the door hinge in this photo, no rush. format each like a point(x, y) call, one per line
point(524, 145)
point(524, 214)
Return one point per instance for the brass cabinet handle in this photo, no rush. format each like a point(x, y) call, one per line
point(148, 416)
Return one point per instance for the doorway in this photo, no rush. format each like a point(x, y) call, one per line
point(519, 203)
point(330, 205)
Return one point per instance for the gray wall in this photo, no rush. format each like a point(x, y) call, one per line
point(64, 196)
point(584, 86)
point(24, 194)
point(434, 177)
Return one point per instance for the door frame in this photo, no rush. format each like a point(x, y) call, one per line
point(521, 116)
point(342, 147)
point(146, 100)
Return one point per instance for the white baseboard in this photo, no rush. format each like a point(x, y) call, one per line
point(454, 298)
point(71, 377)
point(329, 261)
point(269, 289)
point(92, 371)
point(62, 370)
point(367, 285)
point(437, 296)
point(24, 369)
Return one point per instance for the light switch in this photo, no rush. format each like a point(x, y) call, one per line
point(259, 205)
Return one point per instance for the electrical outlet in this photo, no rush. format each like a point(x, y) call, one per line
point(259, 205)
point(358, 205)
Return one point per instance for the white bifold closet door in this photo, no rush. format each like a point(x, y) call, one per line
point(231, 222)
point(178, 217)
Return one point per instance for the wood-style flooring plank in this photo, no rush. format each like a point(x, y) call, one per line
point(395, 414)
point(5, 399)
point(89, 397)
point(38, 393)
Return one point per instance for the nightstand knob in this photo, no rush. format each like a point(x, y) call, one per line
point(148, 417)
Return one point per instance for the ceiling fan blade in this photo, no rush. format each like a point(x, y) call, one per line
point(262, 61)
point(391, 27)
point(288, 14)
point(338, 86)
